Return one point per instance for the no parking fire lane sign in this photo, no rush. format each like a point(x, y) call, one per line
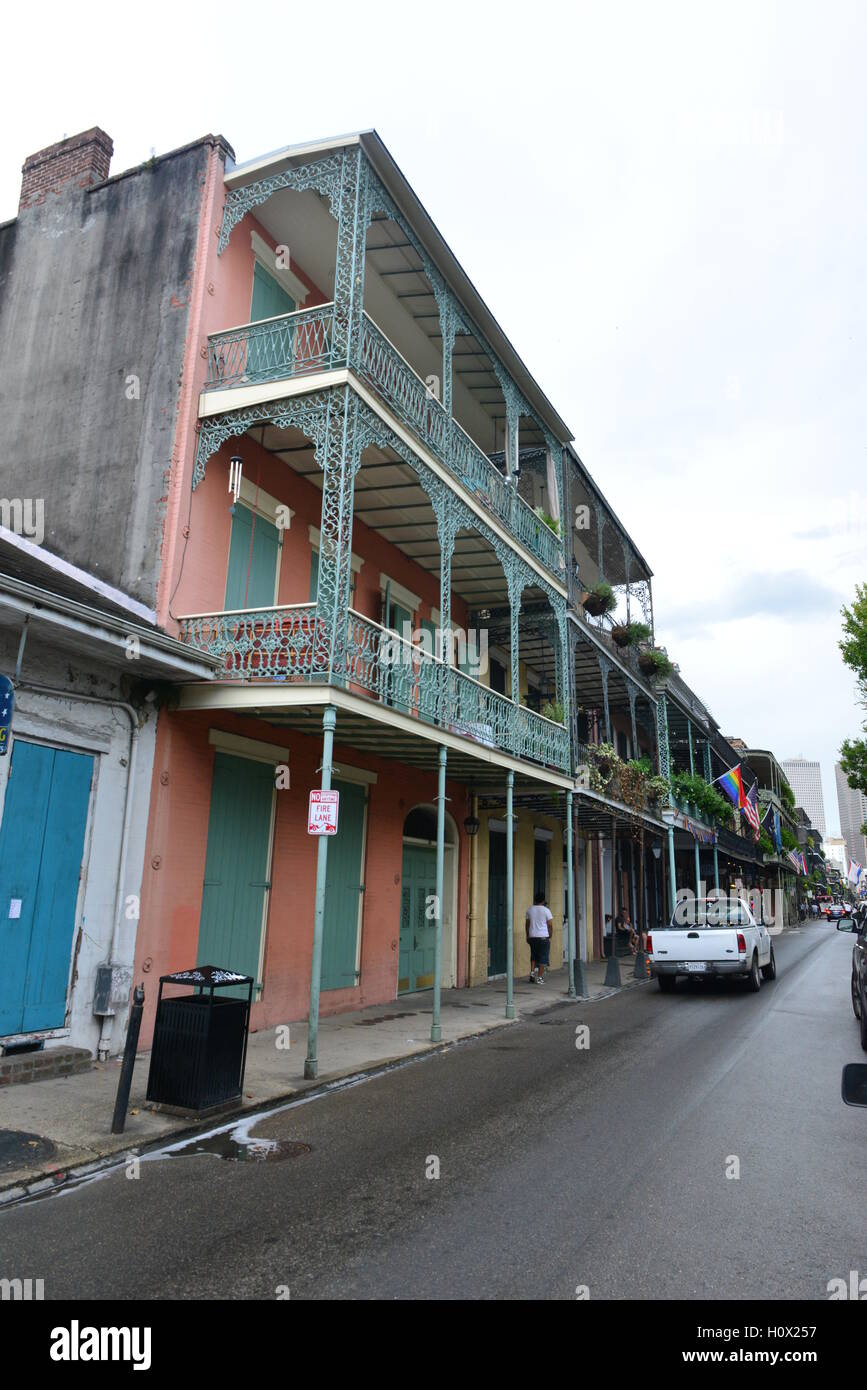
point(322, 813)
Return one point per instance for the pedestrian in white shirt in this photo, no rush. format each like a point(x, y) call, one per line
point(538, 925)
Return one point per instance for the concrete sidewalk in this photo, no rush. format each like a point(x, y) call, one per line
point(50, 1127)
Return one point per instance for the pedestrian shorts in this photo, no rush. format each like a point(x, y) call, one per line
point(540, 950)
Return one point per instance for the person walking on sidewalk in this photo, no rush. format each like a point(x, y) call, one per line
point(538, 925)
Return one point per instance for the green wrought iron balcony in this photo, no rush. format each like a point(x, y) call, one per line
point(290, 644)
point(300, 344)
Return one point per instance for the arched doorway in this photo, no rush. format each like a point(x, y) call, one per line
point(418, 887)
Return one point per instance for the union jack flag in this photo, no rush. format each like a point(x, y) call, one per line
point(751, 809)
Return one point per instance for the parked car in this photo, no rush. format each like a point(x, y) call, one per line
point(712, 937)
point(834, 911)
point(859, 973)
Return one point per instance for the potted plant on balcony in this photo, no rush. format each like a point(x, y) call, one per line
point(630, 634)
point(551, 522)
point(553, 709)
point(657, 789)
point(655, 662)
point(598, 600)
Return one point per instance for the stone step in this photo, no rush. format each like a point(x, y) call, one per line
point(18, 1068)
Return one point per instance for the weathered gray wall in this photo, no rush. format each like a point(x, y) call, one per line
point(94, 288)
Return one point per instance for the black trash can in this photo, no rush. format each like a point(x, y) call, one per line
point(199, 1050)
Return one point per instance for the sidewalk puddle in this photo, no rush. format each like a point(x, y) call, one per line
point(19, 1148)
point(384, 1018)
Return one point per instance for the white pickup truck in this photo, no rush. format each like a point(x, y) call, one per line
point(712, 937)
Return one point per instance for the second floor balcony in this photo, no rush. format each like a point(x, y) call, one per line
point(291, 645)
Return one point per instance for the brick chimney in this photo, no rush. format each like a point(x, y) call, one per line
point(79, 161)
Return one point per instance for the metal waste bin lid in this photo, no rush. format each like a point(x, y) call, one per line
point(209, 976)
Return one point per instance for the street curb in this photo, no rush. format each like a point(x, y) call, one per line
point(54, 1179)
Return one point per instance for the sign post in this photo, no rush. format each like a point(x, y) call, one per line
point(315, 817)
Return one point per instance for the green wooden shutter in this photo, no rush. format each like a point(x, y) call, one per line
point(233, 894)
point(269, 298)
point(270, 354)
point(255, 544)
point(314, 575)
point(343, 890)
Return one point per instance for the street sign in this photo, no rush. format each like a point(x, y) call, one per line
point(322, 813)
point(7, 701)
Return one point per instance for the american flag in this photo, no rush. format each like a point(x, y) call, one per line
point(796, 860)
point(751, 809)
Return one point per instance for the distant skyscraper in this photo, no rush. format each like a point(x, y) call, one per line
point(805, 779)
point(853, 814)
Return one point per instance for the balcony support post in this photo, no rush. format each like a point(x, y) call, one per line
point(516, 581)
point(630, 690)
point(600, 532)
point(510, 900)
point(311, 1063)
point(340, 460)
point(353, 215)
point(604, 669)
point(436, 1031)
point(672, 872)
point(570, 879)
point(448, 329)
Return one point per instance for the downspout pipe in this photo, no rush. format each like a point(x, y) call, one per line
point(104, 1044)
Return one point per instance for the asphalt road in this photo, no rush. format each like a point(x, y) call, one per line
point(559, 1167)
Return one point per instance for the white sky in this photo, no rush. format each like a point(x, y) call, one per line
point(664, 204)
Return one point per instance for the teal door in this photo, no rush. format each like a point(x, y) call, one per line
point(254, 550)
point(398, 672)
point(236, 865)
point(271, 350)
point(496, 903)
point(343, 889)
point(417, 930)
point(41, 848)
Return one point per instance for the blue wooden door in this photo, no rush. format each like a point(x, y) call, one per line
point(253, 553)
point(417, 927)
point(343, 890)
point(236, 866)
point(41, 848)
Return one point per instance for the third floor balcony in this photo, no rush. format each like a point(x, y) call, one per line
point(330, 265)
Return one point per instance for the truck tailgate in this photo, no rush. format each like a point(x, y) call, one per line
point(695, 943)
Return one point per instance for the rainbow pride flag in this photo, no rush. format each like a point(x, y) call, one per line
point(733, 786)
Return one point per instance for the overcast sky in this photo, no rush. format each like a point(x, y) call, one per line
point(664, 205)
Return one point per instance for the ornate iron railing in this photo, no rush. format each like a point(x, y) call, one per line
point(301, 343)
point(408, 397)
point(288, 644)
point(291, 345)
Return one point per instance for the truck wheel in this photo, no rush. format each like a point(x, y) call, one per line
point(754, 979)
point(667, 983)
point(769, 971)
point(856, 998)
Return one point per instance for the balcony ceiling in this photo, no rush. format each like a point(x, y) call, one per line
point(390, 501)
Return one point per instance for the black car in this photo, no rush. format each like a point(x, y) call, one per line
point(859, 970)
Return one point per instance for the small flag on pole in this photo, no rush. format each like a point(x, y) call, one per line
point(751, 808)
point(795, 859)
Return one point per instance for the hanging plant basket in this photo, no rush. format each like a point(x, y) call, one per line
point(647, 663)
point(621, 635)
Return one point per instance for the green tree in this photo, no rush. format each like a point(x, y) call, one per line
point(853, 646)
